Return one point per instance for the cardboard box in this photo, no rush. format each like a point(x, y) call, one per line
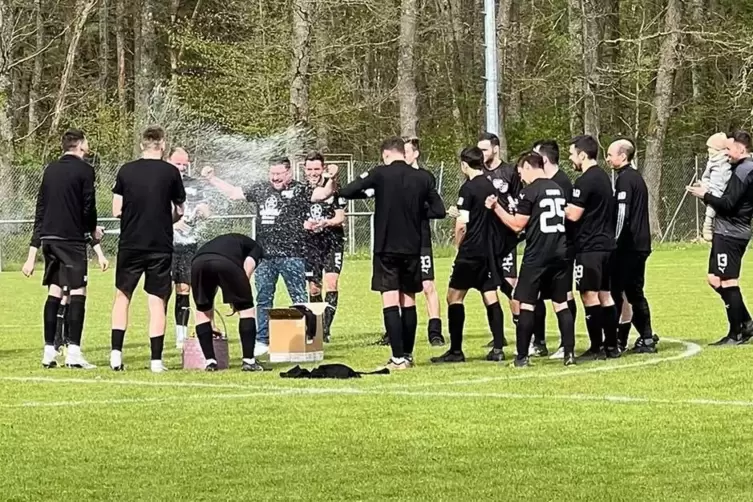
point(287, 333)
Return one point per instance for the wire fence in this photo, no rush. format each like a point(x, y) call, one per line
point(679, 216)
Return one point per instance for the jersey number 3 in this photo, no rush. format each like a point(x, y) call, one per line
point(552, 220)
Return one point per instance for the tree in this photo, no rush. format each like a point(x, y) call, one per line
point(590, 25)
point(36, 76)
point(6, 111)
point(145, 66)
point(506, 74)
point(406, 76)
point(299, 65)
point(120, 43)
point(575, 89)
point(661, 110)
point(104, 46)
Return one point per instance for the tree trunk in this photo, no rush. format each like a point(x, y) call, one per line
point(696, 12)
point(36, 75)
point(609, 57)
point(299, 66)
point(6, 111)
point(453, 32)
point(575, 30)
point(104, 47)
point(505, 74)
point(514, 60)
point(145, 68)
point(322, 57)
point(406, 71)
point(590, 23)
point(661, 111)
point(173, 45)
point(120, 14)
point(84, 8)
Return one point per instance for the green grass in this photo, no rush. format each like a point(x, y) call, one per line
point(478, 431)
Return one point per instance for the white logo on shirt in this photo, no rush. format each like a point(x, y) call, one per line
point(622, 196)
point(460, 201)
point(270, 211)
point(288, 194)
point(317, 212)
point(500, 185)
point(721, 262)
point(364, 175)
point(576, 192)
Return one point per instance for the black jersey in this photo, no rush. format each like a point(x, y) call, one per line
point(563, 180)
point(544, 202)
point(593, 193)
point(481, 233)
point(325, 210)
point(234, 247)
point(632, 228)
point(425, 224)
point(506, 180)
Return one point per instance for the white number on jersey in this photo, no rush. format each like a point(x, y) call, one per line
point(554, 209)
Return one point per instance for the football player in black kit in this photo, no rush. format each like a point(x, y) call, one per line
point(477, 238)
point(545, 270)
point(325, 243)
point(506, 180)
point(550, 152)
point(592, 207)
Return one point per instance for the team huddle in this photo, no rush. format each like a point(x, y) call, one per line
point(591, 234)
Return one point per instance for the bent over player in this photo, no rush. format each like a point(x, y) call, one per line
point(544, 272)
point(227, 263)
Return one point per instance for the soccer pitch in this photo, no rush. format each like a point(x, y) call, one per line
point(671, 426)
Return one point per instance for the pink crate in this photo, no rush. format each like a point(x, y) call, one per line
point(193, 357)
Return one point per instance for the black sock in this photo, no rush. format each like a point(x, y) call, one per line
point(435, 328)
point(116, 339)
point(506, 289)
point(733, 301)
point(157, 344)
point(610, 318)
point(315, 298)
point(332, 298)
point(456, 321)
point(566, 325)
point(394, 327)
point(409, 319)
point(745, 315)
point(524, 332)
point(182, 310)
point(496, 323)
point(573, 306)
point(247, 330)
point(623, 333)
point(515, 318)
point(61, 331)
point(50, 318)
point(76, 315)
point(539, 323)
point(594, 326)
point(205, 336)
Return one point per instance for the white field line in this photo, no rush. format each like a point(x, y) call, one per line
point(691, 349)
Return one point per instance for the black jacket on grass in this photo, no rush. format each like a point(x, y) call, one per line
point(66, 205)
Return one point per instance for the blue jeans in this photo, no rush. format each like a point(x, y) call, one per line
point(293, 272)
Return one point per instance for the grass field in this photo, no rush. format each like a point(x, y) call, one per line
point(674, 426)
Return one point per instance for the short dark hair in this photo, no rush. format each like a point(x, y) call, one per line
point(533, 159)
point(629, 149)
point(394, 144)
point(153, 134)
point(280, 161)
point(413, 141)
point(315, 157)
point(586, 144)
point(490, 137)
point(548, 148)
point(71, 139)
point(742, 137)
point(473, 156)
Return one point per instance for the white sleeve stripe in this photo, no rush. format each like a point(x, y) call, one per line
point(622, 208)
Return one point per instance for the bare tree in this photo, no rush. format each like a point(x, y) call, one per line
point(591, 30)
point(120, 14)
point(451, 30)
point(406, 76)
point(145, 67)
point(575, 31)
point(104, 46)
point(504, 36)
point(696, 13)
point(661, 110)
point(299, 66)
point(6, 111)
point(84, 8)
point(36, 74)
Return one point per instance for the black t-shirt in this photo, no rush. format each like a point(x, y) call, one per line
point(563, 181)
point(234, 247)
point(403, 198)
point(480, 231)
point(325, 210)
point(632, 229)
point(544, 202)
point(279, 222)
point(506, 180)
point(149, 188)
point(594, 231)
point(425, 224)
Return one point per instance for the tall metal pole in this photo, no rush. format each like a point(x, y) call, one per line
point(490, 46)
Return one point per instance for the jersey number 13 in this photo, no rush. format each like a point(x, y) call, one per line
point(552, 220)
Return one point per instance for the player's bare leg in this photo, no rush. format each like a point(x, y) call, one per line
point(120, 307)
point(455, 325)
point(50, 319)
point(436, 339)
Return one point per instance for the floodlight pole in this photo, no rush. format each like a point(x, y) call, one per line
point(490, 51)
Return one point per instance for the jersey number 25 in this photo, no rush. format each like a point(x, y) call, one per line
point(552, 220)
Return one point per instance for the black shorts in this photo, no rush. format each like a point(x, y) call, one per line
point(628, 272)
point(211, 272)
point(552, 281)
point(508, 265)
point(396, 273)
point(473, 273)
point(155, 267)
point(427, 264)
point(65, 264)
point(726, 258)
point(546, 293)
point(592, 271)
point(328, 260)
point(181, 267)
